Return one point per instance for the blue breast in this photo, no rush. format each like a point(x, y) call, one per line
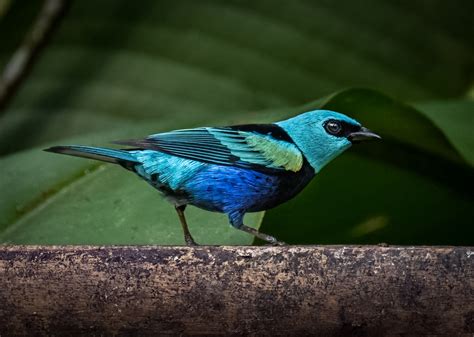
point(219, 188)
point(229, 189)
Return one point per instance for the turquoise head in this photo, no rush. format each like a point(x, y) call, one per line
point(322, 135)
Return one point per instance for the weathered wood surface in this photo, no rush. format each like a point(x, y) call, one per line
point(299, 291)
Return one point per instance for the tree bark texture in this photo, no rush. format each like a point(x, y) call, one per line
point(261, 291)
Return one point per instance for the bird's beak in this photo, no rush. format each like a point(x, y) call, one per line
point(362, 134)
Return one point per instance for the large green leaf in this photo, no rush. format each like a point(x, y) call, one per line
point(379, 194)
point(413, 187)
point(111, 63)
point(456, 119)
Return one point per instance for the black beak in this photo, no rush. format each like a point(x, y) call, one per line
point(362, 134)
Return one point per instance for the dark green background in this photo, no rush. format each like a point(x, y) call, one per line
point(120, 69)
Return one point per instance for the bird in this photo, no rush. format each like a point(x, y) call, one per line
point(233, 169)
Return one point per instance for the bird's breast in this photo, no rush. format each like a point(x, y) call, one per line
point(227, 189)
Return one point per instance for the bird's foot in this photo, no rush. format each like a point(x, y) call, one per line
point(265, 237)
point(190, 241)
point(274, 242)
point(187, 235)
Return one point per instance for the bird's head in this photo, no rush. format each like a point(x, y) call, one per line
point(324, 134)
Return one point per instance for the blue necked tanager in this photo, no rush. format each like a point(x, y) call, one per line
point(234, 169)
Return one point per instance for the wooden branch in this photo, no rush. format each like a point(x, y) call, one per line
point(23, 58)
point(324, 291)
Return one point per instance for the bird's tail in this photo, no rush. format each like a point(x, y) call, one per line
point(121, 157)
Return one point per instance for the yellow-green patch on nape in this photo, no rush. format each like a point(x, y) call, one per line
point(279, 154)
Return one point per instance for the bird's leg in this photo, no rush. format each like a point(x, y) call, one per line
point(260, 235)
point(187, 235)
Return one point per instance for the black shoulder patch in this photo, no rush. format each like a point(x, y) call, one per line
point(265, 129)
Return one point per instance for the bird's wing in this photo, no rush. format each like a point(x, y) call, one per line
point(232, 146)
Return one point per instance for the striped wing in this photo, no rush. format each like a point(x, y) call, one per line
point(226, 146)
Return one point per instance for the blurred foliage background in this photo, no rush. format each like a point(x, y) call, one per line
point(117, 69)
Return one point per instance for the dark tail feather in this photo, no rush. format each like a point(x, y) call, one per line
point(121, 157)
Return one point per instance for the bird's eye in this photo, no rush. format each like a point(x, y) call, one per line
point(333, 127)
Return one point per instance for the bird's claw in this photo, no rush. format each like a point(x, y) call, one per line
point(190, 241)
point(274, 242)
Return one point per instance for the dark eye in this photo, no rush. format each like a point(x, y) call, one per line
point(333, 127)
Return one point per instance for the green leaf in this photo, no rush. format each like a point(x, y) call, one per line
point(165, 65)
point(413, 187)
point(456, 119)
point(353, 200)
